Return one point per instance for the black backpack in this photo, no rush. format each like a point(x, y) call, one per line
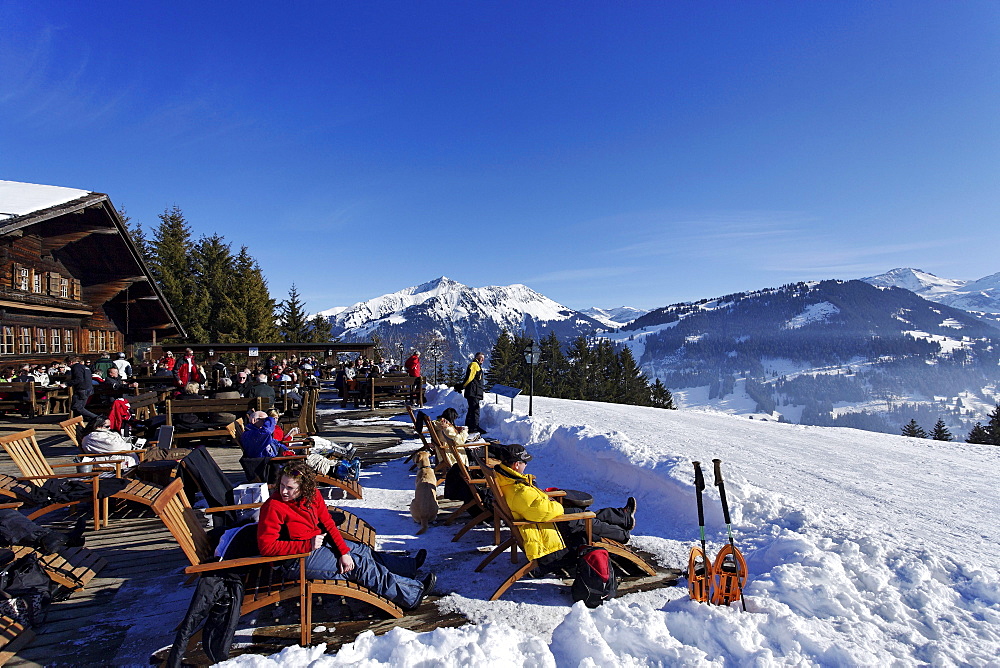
point(596, 579)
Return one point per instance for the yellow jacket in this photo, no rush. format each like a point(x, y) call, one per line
point(527, 502)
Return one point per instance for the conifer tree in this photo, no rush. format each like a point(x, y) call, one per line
point(292, 320)
point(940, 431)
point(580, 361)
point(253, 300)
point(634, 386)
point(503, 361)
point(173, 267)
point(993, 428)
point(137, 234)
point(554, 367)
point(320, 330)
point(606, 374)
point(660, 396)
point(978, 434)
point(217, 283)
point(911, 428)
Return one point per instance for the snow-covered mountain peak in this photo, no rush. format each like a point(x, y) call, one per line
point(614, 317)
point(915, 280)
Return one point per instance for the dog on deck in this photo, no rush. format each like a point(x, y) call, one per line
point(424, 506)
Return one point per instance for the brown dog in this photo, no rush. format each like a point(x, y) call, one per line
point(424, 506)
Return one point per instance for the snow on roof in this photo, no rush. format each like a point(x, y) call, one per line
point(18, 199)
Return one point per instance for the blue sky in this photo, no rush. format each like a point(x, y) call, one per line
point(603, 153)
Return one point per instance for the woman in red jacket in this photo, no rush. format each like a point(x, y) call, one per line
point(296, 521)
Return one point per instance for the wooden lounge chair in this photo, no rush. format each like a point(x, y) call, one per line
point(515, 542)
point(475, 484)
point(24, 451)
point(14, 636)
point(73, 428)
point(264, 584)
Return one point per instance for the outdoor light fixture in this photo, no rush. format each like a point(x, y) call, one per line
point(532, 355)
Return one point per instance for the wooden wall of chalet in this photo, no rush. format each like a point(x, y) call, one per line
point(44, 312)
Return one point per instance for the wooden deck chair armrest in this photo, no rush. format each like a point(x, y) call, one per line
point(287, 458)
point(298, 447)
point(561, 518)
point(241, 563)
point(10, 506)
point(105, 454)
point(242, 506)
point(92, 475)
point(56, 466)
point(556, 493)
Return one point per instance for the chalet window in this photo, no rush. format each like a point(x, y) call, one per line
point(55, 340)
point(68, 340)
point(22, 277)
point(64, 288)
point(25, 343)
point(7, 341)
point(41, 344)
point(92, 341)
point(36, 281)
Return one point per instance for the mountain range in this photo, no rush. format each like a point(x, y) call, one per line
point(867, 353)
point(980, 297)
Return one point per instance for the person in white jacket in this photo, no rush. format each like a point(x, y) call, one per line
point(102, 441)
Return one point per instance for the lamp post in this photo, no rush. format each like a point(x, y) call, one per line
point(532, 355)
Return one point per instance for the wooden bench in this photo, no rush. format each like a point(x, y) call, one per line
point(143, 406)
point(19, 397)
point(199, 406)
point(391, 388)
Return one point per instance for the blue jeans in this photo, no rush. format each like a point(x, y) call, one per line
point(379, 572)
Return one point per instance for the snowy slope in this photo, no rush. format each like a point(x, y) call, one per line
point(614, 317)
point(863, 548)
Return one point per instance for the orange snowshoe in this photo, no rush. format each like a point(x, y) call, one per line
point(699, 575)
point(729, 576)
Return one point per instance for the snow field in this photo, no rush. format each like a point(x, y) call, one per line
point(863, 548)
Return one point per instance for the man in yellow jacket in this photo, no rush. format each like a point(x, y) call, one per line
point(547, 542)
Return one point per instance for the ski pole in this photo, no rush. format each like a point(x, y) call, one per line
point(725, 514)
point(699, 484)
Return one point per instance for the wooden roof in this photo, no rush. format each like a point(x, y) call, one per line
point(88, 236)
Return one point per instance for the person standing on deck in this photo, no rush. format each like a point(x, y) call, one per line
point(473, 389)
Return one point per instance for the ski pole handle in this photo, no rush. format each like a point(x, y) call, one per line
point(722, 488)
point(699, 485)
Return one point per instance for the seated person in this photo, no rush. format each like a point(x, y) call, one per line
point(193, 421)
point(99, 439)
point(294, 521)
point(279, 433)
point(446, 426)
point(225, 391)
point(547, 543)
point(259, 442)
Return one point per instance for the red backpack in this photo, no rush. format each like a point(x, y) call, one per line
point(596, 579)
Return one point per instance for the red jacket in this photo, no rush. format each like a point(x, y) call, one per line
point(412, 365)
point(188, 372)
point(289, 528)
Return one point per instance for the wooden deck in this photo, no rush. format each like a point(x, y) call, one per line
point(133, 606)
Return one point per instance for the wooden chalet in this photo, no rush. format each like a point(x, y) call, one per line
point(71, 279)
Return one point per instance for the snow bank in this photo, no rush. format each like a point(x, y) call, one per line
point(863, 548)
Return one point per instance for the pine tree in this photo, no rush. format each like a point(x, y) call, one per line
point(174, 268)
point(320, 330)
point(940, 432)
point(253, 300)
point(979, 434)
point(292, 320)
point(993, 428)
point(660, 396)
point(217, 282)
point(137, 234)
point(555, 368)
point(634, 386)
point(503, 361)
point(911, 428)
point(606, 372)
point(580, 361)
